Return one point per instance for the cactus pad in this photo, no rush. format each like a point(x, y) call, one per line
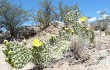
point(17, 55)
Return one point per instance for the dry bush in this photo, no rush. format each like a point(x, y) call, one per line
point(5, 35)
point(94, 27)
point(107, 32)
point(79, 49)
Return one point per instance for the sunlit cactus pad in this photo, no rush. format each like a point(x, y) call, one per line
point(17, 55)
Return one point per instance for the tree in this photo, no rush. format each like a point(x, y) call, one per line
point(40, 16)
point(63, 9)
point(77, 11)
point(55, 15)
point(12, 17)
point(2, 3)
point(61, 13)
point(67, 9)
point(103, 21)
point(45, 13)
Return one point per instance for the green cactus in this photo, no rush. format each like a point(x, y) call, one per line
point(17, 55)
point(41, 55)
point(53, 40)
point(51, 49)
point(62, 46)
point(80, 29)
point(64, 35)
point(87, 35)
point(71, 17)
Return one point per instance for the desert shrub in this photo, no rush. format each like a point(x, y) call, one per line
point(94, 27)
point(103, 22)
point(5, 35)
point(102, 26)
point(12, 17)
point(26, 32)
point(79, 49)
point(107, 32)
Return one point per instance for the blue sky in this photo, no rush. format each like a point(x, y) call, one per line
point(88, 7)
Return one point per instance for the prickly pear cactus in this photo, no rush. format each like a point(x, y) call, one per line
point(17, 55)
point(41, 56)
point(51, 49)
point(53, 40)
point(64, 34)
point(62, 46)
point(87, 35)
point(71, 17)
point(41, 53)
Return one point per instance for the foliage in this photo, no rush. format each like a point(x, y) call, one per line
point(40, 17)
point(63, 10)
point(2, 3)
point(44, 14)
point(76, 9)
point(103, 22)
point(107, 32)
point(12, 17)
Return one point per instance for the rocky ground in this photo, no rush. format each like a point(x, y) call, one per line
point(99, 57)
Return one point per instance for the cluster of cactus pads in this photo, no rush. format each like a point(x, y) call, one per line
point(17, 55)
point(41, 53)
point(51, 49)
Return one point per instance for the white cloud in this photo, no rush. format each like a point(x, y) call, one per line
point(103, 17)
point(98, 12)
point(92, 19)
